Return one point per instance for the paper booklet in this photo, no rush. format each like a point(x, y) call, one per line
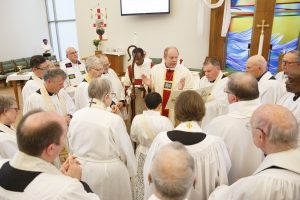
point(204, 93)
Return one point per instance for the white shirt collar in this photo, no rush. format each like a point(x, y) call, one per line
point(31, 163)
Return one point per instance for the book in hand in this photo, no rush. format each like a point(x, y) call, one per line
point(204, 93)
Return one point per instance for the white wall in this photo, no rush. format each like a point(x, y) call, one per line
point(23, 26)
point(154, 32)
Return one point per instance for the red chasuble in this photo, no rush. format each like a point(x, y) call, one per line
point(167, 91)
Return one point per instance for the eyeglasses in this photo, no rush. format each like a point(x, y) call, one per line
point(97, 69)
point(112, 94)
point(285, 62)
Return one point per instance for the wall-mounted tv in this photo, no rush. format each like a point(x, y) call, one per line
point(141, 7)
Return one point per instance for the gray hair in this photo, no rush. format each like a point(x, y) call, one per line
point(52, 73)
point(243, 85)
point(102, 58)
point(92, 61)
point(278, 123)
point(296, 53)
point(173, 171)
point(98, 88)
point(6, 102)
point(213, 61)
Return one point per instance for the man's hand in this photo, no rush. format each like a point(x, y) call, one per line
point(115, 109)
point(146, 80)
point(120, 105)
point(71, 167)
point(181, 84)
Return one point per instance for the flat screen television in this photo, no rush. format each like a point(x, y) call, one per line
point(141, 7)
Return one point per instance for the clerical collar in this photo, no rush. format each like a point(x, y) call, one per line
point(170, 68)
point(258, 78)
point(50, 94)
point(9, 126)
point(296, 96)
point(223, 76)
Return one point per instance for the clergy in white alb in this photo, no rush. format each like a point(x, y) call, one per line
point(270, 90)
point(289, 60)
point(30, 174)
point(291, 99)
point(275, 132)
point(74, 68)
point(144, 128)
point(100, 141)
point(142, 66)
point(216, 104)
point(94, 70)
point(242, 93)
point(46, 48)
point(8, 116)
point(38, 65)
point(212, 162)
point(117, 86)
point(168, 76)
point(51, 96)
point(172, 173)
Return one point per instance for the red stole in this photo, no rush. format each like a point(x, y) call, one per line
point(167, 88)
point(136, 81)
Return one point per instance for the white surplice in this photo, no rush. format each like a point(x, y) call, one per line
point(217, 102)
point(212, 162)
point(100, 141)
point(81, 96)
point(31, 86)
point(281, 78)
point(8, 141)
point(117, 86)
point(232, 128)
point(50, 184)
point(270, 90)
point(294, 106)
point(75, 72)
point(36, 101)
point(144, 128)
point(158, 75)
point(277, 178)
point(143, 69)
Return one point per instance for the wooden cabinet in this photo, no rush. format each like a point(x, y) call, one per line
point(116, 60)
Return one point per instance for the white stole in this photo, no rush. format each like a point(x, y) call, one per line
point(50, 105)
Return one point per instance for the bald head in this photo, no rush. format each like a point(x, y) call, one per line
point(277, 123)
point(172, 171)
point(72, 54)
point(171, 56)
point(256, 65)
point(243, 85)
point(38, 129)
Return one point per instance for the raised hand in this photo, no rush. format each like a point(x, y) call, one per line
point(181, 84)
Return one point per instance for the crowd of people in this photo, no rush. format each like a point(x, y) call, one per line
point(76, 140)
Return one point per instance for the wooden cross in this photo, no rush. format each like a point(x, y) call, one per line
point(262, 25)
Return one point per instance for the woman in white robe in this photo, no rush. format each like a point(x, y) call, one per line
point(144, 129)
point(102, 144)
point(209, 152)
point(8, 115)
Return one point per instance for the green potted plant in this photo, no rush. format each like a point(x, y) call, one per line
point(97, 42)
